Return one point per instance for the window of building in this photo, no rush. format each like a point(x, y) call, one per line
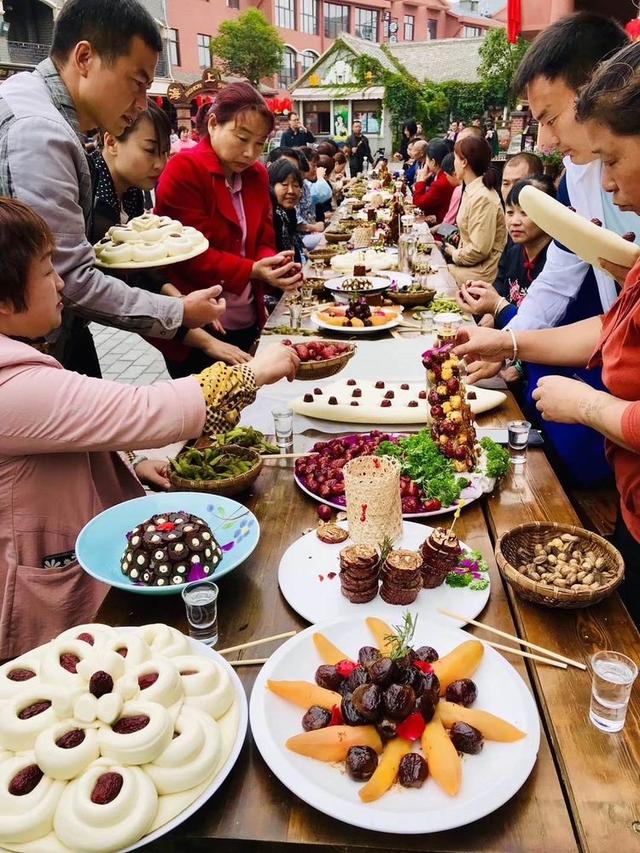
point(174, 47)
point(233, 4)
point(336, 20)
point(309, 17)
point(409, 26)
point(287, 73)
point(317, 117)
point(204, 55)
point(370, 121)
point(432, 29)
point(367, 24)
point(308, 58)
point(286, 14)
point(471, 32)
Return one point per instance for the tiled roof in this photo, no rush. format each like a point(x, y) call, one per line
point(362, 47)
point(440, 60)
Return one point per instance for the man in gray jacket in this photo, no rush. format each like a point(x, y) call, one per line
point(102, 62)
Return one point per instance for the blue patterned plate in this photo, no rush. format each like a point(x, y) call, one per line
point(101, 543)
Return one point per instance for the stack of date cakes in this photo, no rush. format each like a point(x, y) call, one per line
point(359, 569)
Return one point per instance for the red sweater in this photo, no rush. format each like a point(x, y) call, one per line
point(435, 199)
point(618, 351)
point(192, 189)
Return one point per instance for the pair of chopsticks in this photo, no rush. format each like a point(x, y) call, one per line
point(254, 661)
point(552, 659)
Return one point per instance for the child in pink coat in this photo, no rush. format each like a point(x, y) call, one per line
point(60, 433)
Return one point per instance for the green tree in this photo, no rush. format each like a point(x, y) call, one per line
point(250, 46)
point(498, 63)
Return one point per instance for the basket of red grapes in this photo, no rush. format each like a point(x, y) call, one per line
point(321, 359)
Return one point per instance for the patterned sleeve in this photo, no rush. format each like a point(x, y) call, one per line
point(227, 390)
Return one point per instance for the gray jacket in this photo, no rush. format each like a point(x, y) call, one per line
point(43, 163)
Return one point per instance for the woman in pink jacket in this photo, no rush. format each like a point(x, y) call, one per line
point(60, 433)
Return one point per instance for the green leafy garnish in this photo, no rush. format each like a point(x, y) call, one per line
point(422, 460)
point(469, 572)
point(400, 642)
point(498, 460)
point(385, 548)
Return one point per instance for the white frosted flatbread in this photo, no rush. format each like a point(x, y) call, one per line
point(369, 409)
point(586, 239)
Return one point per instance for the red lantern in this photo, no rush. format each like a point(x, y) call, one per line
point(514, 20)
point(633, 28)
point(159, 101)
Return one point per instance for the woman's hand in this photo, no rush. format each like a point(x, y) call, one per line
point(154, 473)
point(278, 271)
point(560, 399)
point(478, 297)
point(203, 307)
point(479, 370)
point(221, 351)
point(447, 249)
point(272, 363)
point(422, 174)
point(476, 343)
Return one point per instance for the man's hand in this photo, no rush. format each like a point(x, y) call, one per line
point(273, 363)
point(479, 370)
point(560, 399)
point(321, 172)
point(203, 307)
point(617, 272)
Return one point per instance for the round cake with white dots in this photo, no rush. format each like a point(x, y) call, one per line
point(171, 548)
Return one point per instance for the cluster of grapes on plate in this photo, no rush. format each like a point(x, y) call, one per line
point(358, 309)
point(452, 421)
point(321, 473)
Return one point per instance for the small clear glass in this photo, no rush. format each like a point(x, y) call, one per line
point(306, 294)
point(613, 677)
point(426, 322)
point(518, 435)
point(295, 314)
point(201, 603)
point(283, 427)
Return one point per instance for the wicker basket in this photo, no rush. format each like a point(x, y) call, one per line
point(230, 485)
point(325, 253)
point(517, 546)
point(411, 300)
point(337, 236)
point(326, 368)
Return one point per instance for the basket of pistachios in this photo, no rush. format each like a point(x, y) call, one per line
point(559, 565)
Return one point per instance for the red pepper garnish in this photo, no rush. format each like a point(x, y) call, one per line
point(336, 716)
point(423, 665)
point(412, 727)
point(363, 514)
point(168, 525)
point(346, 667)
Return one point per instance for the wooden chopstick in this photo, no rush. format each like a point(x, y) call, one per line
point(283, 636)
point(267, 456)
point(248, 662)
point(522, 654)
point(518, 640)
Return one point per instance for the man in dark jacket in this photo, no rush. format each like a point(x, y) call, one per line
point(295, 136)
point(358, 146)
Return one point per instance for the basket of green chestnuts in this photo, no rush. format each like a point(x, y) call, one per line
point(222, 469)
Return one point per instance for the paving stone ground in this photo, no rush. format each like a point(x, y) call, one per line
point(125, 357)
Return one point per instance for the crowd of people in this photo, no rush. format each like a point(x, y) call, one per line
point(562, 333)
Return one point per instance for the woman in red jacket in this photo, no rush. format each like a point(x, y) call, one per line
point(220, 188)
point(434, 199)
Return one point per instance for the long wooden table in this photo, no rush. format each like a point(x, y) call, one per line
point(583, 793)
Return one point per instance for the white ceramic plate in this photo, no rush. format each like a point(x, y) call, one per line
point(243, 721)
point(309, 560)
point(378, 284)
point(163, 262)
point(355, 330)
point(488, 779)
point(468, 495)
point(369, 410)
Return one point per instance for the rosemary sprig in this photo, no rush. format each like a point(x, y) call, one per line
point(385, 548)
point(400, 642)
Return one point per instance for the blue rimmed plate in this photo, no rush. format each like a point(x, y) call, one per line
point(101, 543)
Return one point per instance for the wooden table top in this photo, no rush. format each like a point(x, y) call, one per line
point(583, 791)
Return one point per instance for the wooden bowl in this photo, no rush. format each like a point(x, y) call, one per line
point(326, 368)
point(228, 486)
point(517, 547)
point(410, 300)
point(337, 236)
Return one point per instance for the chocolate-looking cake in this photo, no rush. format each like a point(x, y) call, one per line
point(164, 549)
point(440, 553)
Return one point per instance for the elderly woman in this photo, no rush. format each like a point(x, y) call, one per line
point(483, 233)
point(609, 108)
point(60, 433)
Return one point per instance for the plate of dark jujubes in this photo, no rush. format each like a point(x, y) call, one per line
point(407, 728)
